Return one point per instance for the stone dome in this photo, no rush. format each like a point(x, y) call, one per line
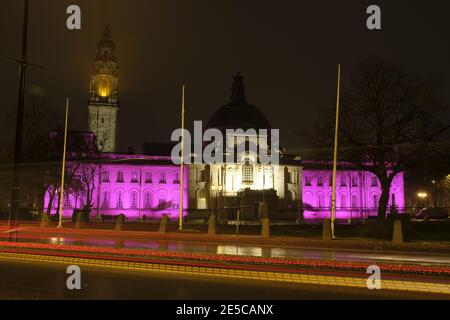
point(238, 113)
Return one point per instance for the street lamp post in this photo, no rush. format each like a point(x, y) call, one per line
point(15, 203)
point(333, 193)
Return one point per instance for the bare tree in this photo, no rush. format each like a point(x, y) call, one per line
point(388, 122)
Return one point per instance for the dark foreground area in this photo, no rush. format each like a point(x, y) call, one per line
point(20, 280)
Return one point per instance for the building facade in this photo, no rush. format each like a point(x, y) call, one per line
point(357, 192)
point(138, 186)
point(245, 186)
point(146, 186)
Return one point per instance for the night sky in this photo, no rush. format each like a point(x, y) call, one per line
point(287, 50)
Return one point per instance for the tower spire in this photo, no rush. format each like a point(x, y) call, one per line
point(104, 94)
point(238, 89)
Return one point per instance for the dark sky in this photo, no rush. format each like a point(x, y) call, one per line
point(286, 49)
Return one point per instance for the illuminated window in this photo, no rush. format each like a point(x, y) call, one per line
point(321, 201)
point(176, 200)
point(147, 200)
point(343, 201)
point(247, 172)
point(120, 176)
point(320, 181)
point(67, 201)
point(176, 178)
point(105, 201)
point(133, 200)
point(354, 203)
point(201, 176)
point(148, 177)
point(104, 88)
point(355, 181)
point(201, 199)
point(119, 200)
point(134, 177)
point(105, 176)
point(307, 181)
point(374, 201)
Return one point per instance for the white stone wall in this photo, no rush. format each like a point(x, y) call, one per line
point(103, 122)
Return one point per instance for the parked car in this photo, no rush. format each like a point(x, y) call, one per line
point(432, 213)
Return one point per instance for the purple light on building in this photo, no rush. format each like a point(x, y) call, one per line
point(134, 185)
point(357, 194)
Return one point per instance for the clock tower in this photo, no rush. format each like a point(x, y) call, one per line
point(104, 95)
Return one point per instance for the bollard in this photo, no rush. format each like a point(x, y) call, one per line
point(45, 220)
point(397, 234)
point(326, 230)
point(212, 225)
point(265, 228)
point(164, 224)
point(79, 220)
point(119, 222)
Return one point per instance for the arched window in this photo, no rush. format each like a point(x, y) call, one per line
point(105, 200)
point(133, 200)
point(176, 199)
point(202, 199)
point(162, 199)
point(148, 200)
point(374, 201)
point(247, 172)
point(321, 201)
point(354, 203)
point(67, 200)
point(119, 200)
point(343, 201)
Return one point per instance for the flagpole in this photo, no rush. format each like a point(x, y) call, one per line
point(63, 171)
point(180, 221)
point(333, 196)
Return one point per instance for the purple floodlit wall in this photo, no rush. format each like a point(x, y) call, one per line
point(357, 194)
point(144, 189)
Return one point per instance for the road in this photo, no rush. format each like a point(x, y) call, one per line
point(31, 280)
point(332, 254)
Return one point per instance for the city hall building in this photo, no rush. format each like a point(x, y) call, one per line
point(147, 185)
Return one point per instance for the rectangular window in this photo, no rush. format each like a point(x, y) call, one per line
point(176, 178)
point(355, 181)
point(307, 181)
point(120, 177)
point(134, 177)
point(162, 177)
point(148, 177)
point(320, 181)
point(343, 182)
point(354, 203)
point(105, 176)
point(201, 175)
